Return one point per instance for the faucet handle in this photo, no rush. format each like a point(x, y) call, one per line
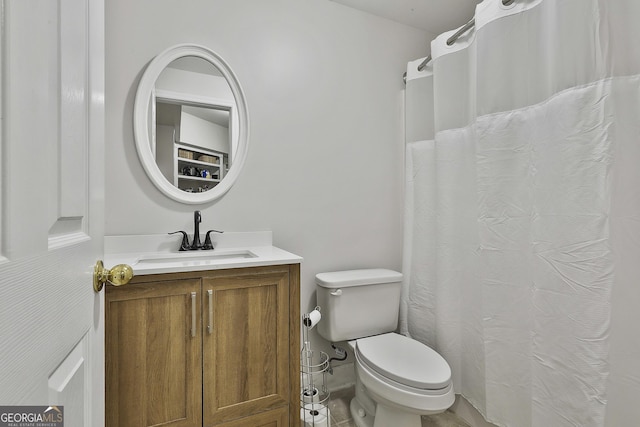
point(184, 245)
point(207, 240)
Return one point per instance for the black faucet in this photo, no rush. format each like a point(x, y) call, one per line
point(196, 245)
point(197, 219)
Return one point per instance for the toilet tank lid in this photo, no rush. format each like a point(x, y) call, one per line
point(371, 276)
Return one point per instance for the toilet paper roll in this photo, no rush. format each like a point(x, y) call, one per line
point(313, 390)
point(310, 320)
point(310, 394)
point(315, 416)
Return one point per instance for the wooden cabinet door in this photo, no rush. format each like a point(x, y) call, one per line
point(245, 345)
point(153, 354)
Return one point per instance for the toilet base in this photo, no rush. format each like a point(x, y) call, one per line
point(359, 415)
point(384, 417)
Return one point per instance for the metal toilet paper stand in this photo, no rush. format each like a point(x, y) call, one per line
point(314, 365)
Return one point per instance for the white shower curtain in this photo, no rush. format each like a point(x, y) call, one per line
point(522, 230)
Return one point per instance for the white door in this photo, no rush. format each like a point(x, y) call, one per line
point(51, 206)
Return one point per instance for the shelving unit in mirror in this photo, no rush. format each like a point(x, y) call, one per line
point(197, 170)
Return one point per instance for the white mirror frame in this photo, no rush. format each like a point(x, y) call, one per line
point(141, 114)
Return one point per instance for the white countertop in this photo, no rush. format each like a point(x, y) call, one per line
point(158, 253)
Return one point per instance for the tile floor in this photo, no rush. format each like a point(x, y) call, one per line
point(341, 417)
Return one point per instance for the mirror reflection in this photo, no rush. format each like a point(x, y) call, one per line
point(193, 129)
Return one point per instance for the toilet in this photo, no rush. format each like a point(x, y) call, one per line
point(398, 379)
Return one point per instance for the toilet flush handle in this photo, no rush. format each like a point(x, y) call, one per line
point(337, 292)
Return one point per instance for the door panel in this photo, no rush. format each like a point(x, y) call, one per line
point(68, 383)
point(51, 194)
point(243, 373)
point(275, 418)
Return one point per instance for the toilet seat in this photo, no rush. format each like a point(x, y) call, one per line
point(389, 393)
point(405, 361)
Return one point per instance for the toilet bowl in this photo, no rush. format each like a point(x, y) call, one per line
point(398, 379)
point(405, 379)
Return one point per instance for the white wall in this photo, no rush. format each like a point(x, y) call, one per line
point(203, 133)
point(215, 88)
point(324, 89)
point(165, 150)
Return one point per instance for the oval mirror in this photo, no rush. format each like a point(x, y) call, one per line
point(191, 124)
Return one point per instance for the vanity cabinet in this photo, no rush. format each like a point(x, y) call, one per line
point(212, 348)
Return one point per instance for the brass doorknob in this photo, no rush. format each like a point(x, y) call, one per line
point(117, 276)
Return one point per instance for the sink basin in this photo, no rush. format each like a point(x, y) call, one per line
point(194, 258)
point(158, 253)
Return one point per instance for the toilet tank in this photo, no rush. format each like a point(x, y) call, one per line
point(358, 303)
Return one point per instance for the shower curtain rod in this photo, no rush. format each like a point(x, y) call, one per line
point(451, 40)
